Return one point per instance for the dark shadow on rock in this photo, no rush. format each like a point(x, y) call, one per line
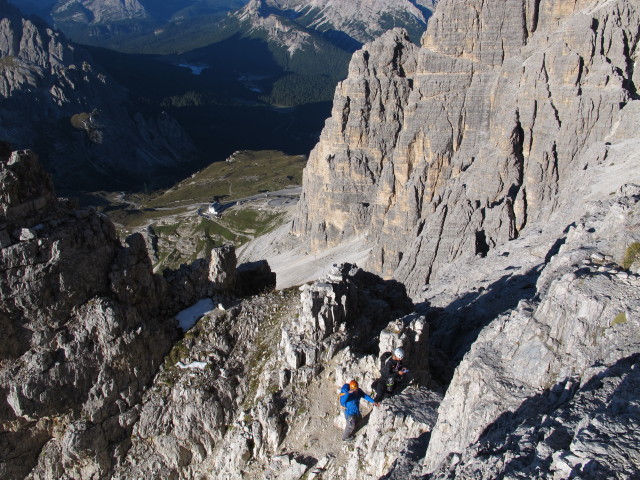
point(364, 421)
point(456, 327)
point(308, 460)
point(409, 458)
point(379, 302)
point(255, 278)
point(554, 249)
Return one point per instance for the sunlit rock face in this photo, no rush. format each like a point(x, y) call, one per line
point(85, 327)
point(445, 151)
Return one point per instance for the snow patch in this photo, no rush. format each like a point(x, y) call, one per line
point(188, 317)
point(199, 365)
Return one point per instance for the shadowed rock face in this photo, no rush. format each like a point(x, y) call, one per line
point(445, 151)
point(84, 329)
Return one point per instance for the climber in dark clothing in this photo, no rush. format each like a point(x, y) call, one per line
point(350, 396)
point(392, 371)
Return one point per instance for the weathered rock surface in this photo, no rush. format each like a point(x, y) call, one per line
point(486, 163)
point(85, 324)
point(229, 400)
point(446, 151)
point(345, 167)
point(84, 329)
point(55, 100)
point(546, 386)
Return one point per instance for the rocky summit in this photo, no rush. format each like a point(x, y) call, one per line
point(489, 128)
point(490, 174)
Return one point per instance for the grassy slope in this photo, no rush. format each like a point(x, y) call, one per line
point(184, 236)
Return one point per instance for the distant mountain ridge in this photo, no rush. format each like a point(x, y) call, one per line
point(56, 100)
point(360, 20)
point(350, 24)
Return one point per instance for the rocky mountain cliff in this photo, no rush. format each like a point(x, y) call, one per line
point(451, 149)
point(86, 326)
point(56, 101)
point(494, 170)
point(83, 328)
point(95, 384)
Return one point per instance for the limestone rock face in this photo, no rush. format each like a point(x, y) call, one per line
point(345, 167)
point(246, 388)
point(56, 99)
point(84, 326)
point(208, 411)
point(445, 151)
point(547, 382)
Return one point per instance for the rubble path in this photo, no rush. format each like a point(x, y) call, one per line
point(317, 430)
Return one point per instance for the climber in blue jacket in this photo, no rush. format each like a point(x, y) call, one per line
point(350, 396)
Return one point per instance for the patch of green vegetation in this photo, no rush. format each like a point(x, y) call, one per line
point(192, 334)
point(620, 319)
point(631, 255)
point(172, 213)
point(249, 173)
point(177, 353)
point(235, 227)
point(131, 218)
point(7, 62)
point(171, 229)
point(212, 229)
point(79, 119)
point(252, 222)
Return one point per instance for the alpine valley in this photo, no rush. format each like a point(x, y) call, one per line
point(260, 76)
point(473, 198)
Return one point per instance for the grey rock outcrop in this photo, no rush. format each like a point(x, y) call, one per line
point(542, 383)
point(444, 152)
point(227, 400)
point(84, 327)
point(206, 277)
point(56, 99)
point(360, 136)
point(203, 414)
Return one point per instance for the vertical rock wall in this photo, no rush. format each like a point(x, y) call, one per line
point(450, 149)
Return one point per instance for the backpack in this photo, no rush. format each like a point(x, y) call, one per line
point(383, 361)
point(344, 391)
